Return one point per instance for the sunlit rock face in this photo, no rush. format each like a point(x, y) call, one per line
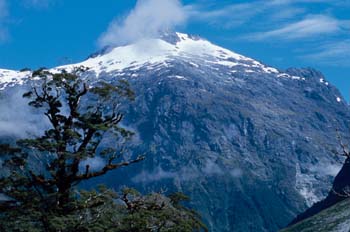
point(251, 145)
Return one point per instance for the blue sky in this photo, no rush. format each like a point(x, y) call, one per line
point(281, 33)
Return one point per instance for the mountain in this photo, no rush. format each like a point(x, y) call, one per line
point(250, 144)
point(339, 192)
point(333, 219)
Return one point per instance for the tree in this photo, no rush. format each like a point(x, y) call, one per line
point(48, 199)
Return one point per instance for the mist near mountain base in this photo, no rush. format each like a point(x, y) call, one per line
point(17, 118)
point(187, 173)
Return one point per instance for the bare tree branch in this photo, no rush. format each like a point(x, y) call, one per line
point(108, 168)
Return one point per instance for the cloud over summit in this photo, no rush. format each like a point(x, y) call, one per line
point(147, 19)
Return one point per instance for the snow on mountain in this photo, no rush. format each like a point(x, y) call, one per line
point(159, 51)
point(154, 52)
point(10, 77)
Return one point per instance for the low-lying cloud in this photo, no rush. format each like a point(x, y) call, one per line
point(147, 19)
point(95, 164)
point(187, 173)
point(17, 119)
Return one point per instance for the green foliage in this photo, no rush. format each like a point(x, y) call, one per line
point(105, 210)
point(48, 199)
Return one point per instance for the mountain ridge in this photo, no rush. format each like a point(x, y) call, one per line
point(244, 140)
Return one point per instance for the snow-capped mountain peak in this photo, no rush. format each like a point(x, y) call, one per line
point(169, 47)
point(160, 52)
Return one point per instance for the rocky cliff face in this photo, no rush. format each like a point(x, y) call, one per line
point(251, 145)
point(339, 192)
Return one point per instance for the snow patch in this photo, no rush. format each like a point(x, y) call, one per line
point(285, 75)
point(323, 81)
point(178, 77)
point(10, 78)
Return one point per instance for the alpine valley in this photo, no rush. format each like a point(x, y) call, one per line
point(250, 144)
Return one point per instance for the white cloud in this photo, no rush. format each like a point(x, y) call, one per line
point(95, 164)
point(3, 9)
point(242, 9)
point(283, 2)
point(335, 53)
point(238, 14)
point(17, 118)
point(3, 16)
point(310, 26)
point(187, 173)
point(157, 174)
point(287, 13)
point(38, 3)
point(226, 16)
point(147, 19)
